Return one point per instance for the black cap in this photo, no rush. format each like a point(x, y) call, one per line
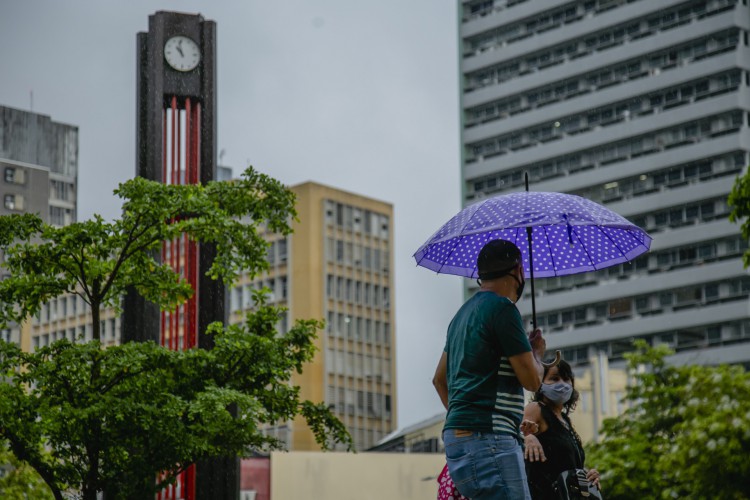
point(497, 258)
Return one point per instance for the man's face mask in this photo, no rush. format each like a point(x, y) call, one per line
point(519, 288)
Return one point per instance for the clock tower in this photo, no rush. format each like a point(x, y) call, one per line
point(176, 144)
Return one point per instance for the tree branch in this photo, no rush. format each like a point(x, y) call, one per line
point(82, 268)
point(124, 255)
point(119, 378)
point(35, 461)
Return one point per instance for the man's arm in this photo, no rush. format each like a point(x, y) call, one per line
point(527, 366)
point(440, 380)
point(528, 369)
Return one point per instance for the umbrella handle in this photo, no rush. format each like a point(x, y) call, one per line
point(554, 362)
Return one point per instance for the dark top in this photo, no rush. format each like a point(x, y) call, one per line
point(563, 451)
point(484, 394)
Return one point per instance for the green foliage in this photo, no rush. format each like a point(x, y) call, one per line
point(739, 202)
point(19, 481)
point(88, 419)
point(686, 433)
point(99, 260)
point(156, 409)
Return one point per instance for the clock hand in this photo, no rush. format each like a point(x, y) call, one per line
point(179, 48)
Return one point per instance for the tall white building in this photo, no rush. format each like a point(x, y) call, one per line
point(641, 105)
point(39, 164)
point(39, 159)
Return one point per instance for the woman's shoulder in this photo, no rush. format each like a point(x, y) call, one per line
point(534, 411)
point(534, 407)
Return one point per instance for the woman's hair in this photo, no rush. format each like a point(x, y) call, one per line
point(566, 373)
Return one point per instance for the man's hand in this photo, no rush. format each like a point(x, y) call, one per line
point(528, 366)
point(529, 427)
point(538, 344)
point(533, 451)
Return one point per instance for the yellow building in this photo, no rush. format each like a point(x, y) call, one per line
point(68, 316)
point(337, 266)
point(601, 390)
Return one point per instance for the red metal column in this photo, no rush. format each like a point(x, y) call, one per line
point(164, 245)
point(181, 254)
point(192, 134)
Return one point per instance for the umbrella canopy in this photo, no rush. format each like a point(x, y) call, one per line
point(569, 235)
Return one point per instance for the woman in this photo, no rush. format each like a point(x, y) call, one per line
point(446, 489)
point(552, 445)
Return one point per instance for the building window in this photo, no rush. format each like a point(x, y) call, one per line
point(271, 253)
point(282, 250)
point(15, 175)
point(642, 304)
point(713, 335)
point(59, 190)
point(13, 201)
point(339, 251)
point(620, 308)
point(665, 299)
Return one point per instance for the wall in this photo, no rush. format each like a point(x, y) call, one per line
point(361, 476)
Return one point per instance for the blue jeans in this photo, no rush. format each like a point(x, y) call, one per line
point(484, 465)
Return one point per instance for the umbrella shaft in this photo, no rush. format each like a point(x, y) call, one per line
point(531, 278)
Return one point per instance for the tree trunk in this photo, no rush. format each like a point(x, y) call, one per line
point(93, 438)
point(96, 327)
point(88, 493)
point(96, 304)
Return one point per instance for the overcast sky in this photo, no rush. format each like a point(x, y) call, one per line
point(359, 95)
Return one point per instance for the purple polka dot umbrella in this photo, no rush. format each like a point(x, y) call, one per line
point(569, 235)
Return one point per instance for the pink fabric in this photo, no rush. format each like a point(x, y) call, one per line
point(446, 489)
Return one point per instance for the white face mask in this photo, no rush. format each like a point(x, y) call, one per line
point(558, 393)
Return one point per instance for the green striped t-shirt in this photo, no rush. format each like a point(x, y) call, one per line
point(484, 393)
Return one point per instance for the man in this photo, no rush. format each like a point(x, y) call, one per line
point(486, 363)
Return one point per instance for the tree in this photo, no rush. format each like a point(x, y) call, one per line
point(739, 202)
point(89, 419)
point(686, 433)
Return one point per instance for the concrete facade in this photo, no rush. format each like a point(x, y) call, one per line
point(23, 189)
point(39, 168)
point(643, 106)
point(39, 159)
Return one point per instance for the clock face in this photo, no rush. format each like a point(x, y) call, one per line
point(182, 53)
